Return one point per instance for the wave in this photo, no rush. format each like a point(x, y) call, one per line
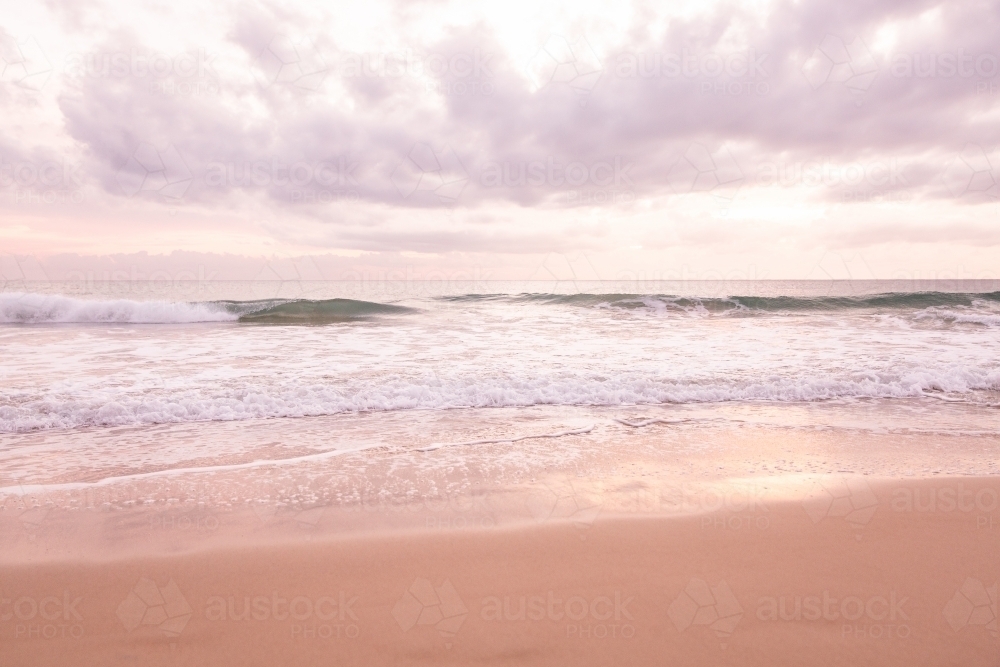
point(974, 385)
point(32, 308)
point(305, 311)
point(20, 308)
point(941, 307)
point(988, 319)
point(749, 304)
point(26, 308)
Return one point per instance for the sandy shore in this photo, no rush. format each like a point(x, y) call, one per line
point(853, 571)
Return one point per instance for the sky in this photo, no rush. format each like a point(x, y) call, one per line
point(499, 140)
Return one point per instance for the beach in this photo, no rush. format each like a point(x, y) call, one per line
point(644, 542)
point(805, 474)
point(514, 334)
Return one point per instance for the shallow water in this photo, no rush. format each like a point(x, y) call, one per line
point(85, 359)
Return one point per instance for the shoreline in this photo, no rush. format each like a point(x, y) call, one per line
point(698, 543)
point(912, 581)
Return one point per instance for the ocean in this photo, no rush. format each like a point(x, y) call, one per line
point(81, 362)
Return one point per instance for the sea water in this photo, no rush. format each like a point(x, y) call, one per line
point(79, 362)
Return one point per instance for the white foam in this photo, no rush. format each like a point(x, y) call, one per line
point(121, 408)
point(989, 319)
point(649, 422)
point(560, 434)
point(25, 308)
point(29, 489)
point(465, 355)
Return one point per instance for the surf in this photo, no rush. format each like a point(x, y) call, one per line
point(29, 308)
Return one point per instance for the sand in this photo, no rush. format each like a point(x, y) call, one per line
point(627, 564)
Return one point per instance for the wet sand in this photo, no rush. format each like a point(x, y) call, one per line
point(608, 561)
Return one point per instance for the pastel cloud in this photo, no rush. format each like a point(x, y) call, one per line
point(441, 128)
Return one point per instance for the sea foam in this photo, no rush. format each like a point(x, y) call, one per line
point(26, 308)
point(21, 308)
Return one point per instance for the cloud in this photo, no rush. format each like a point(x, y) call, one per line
point(394, 131)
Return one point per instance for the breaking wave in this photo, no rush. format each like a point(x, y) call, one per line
point(22, 308)
point(750, 304)
point(111, 407)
